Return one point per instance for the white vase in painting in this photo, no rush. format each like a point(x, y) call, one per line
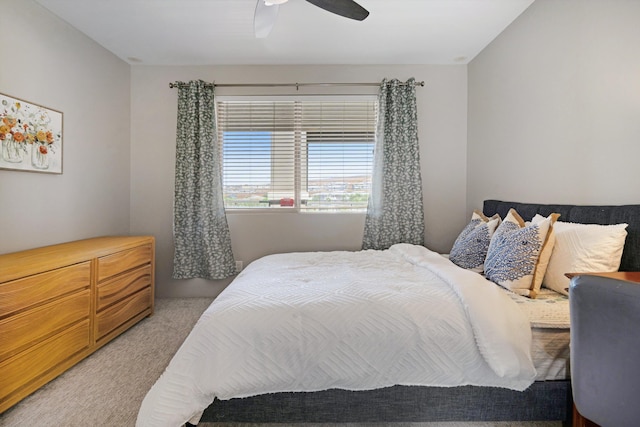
point(40, 156)
point(12, 150)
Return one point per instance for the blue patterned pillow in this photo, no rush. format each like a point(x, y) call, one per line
point(518, 254)
point(470, 248)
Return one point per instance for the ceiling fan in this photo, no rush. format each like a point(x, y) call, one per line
point(267, 12)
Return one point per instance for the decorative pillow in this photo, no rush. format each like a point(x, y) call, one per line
point(470, 248)
point(583, 248)
point(518, 254)
point(546, 253)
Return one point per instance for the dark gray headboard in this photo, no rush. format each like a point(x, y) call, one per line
point(629, 214)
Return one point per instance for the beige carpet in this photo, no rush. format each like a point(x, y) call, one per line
point(107, 388)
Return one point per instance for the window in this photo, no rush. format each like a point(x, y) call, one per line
point(307, 155)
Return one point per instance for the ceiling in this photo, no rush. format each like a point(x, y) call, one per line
point(208, 32)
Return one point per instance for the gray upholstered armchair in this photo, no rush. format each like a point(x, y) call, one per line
point(605, 350)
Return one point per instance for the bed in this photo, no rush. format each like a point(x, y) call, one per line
point(478, 376)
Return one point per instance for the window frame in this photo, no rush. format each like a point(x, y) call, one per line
point(298, 180)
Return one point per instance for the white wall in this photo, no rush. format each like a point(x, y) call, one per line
point(554, 107)
point(49, 63)
point(442, 105)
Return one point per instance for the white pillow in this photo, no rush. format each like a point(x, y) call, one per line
point(583, 248)
point(470, 248)
point(518, 253)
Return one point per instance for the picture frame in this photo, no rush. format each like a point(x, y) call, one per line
point(30, 136)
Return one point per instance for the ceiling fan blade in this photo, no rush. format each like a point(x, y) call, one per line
point(347, 8)
point(264, 18)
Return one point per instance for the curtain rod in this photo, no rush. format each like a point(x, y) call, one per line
point(296, 85)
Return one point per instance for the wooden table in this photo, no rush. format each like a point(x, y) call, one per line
point(631, 276)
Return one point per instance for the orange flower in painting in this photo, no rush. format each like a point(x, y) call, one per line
point(9, 121)
point(50, 139)
point(18, 137)
point(43, 149)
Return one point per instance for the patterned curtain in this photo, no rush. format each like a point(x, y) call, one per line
point(200, 229)
point(395, 213)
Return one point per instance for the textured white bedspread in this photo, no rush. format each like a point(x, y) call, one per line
point(349, 320)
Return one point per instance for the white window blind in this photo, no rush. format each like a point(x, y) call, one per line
point(307, 155)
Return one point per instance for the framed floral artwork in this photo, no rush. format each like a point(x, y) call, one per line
point(31, 136)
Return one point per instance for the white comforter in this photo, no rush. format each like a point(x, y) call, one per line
point(349, 320)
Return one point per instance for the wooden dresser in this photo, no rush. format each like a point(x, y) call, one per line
point(60, 303)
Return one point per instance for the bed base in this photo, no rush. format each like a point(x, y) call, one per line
point(542, 401)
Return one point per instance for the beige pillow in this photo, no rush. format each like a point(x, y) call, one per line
point(583, 248)
point(546, 253)
point(518, 254)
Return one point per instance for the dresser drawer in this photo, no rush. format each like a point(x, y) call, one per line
point(27, 328)
point(22, 293)
point(116, 289)
point(118, 314)
point(119, 262)
point(36, 362)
